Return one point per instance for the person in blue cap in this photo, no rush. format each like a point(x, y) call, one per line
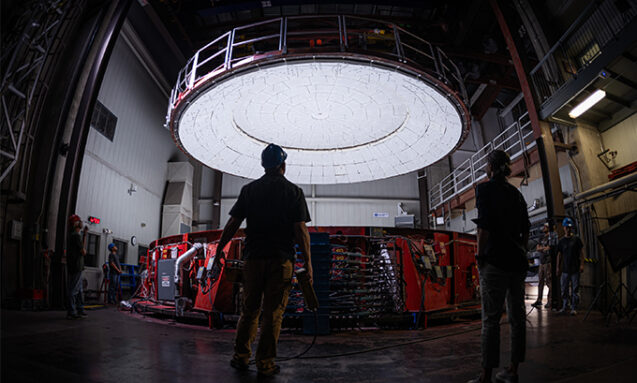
point(570, 263)
point(276, 214)
point(114, 271)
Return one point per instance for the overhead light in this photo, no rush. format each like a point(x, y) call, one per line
point(339, 121)
point(587, 103)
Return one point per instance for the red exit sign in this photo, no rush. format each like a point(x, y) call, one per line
point(94, 220)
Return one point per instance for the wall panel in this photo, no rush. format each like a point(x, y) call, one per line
point(137, 155)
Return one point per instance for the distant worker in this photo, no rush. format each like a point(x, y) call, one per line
point(570, 263)
point(503, 230)
point(547, 244)
point(114, 272)
point(75, 252)
point(276, 213)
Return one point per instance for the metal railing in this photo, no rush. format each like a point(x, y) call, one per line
point(314, 35)
point(583, 42)
point(516, 140)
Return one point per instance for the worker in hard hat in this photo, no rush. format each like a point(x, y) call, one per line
point(547, 244)
point(503, 233)
point(75, 252)
point(276, 214)
point(570, 263)
point(114, 272)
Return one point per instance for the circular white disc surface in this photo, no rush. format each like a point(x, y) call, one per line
point(339, 122)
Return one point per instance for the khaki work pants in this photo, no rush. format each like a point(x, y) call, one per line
point(266, 284)
point(544, 277)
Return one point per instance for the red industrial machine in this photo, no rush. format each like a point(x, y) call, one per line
point(373, 273)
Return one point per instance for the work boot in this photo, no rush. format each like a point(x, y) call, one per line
point(537, 304)
point(506, 376)
point(239, 364)
point(547, 306)
point(573, 312)
point(72, 316)
point(269, 372)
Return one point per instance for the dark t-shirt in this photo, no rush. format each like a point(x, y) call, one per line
point(503, 213)
point(571, 248)
point(271, 205)
point(74, 258)
point(113, 258)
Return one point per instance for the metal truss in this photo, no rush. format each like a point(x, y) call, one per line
point(24, 55)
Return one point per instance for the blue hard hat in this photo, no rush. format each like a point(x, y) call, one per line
point(567, 222)
point(111, 246)
point(273, 156)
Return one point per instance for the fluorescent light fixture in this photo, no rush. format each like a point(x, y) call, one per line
point(339, 121)
point(587, 103)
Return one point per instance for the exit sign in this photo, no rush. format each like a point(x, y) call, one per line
point(94, 220)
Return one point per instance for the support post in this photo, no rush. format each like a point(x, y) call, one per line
point(79, 127)
point(423, 195)
point(541, 129)
point(217, 179)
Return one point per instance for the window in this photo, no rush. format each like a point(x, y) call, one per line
point(92, 250)
point(121, 249)
point(103, 120)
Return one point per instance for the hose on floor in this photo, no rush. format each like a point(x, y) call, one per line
point(373, 349)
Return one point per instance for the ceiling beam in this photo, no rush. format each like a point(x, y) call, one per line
point(621, 79)
point(501, 81)
point(619, 101)
point(479, 109)
point(618, 117)
point(494, 58)
point(629, 56)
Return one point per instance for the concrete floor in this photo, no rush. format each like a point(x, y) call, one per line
point(112, 346)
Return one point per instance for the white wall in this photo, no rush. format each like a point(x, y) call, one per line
point(622, 138)
point(138, 155)
point(344, 205)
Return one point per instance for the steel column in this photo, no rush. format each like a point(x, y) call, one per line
point(80, 126)
point(217, 179)
point(423, 195)
point(541, 129)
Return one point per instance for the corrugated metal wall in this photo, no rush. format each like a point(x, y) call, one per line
point(138, 155)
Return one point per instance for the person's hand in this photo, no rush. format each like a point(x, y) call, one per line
point(219, 255)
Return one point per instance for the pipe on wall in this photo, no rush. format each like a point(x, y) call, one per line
point(612, 185)
point(185, 257)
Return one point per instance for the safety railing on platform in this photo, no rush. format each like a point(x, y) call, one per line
point(583, 42)
point(308, 35)
point(516, 140)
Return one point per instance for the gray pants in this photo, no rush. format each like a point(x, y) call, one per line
point(496, 285)
point(573, 294)
point(75, 301)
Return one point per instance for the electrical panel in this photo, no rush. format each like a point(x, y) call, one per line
point(166, 279)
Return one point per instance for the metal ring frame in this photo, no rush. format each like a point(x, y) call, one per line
point(303, 38)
